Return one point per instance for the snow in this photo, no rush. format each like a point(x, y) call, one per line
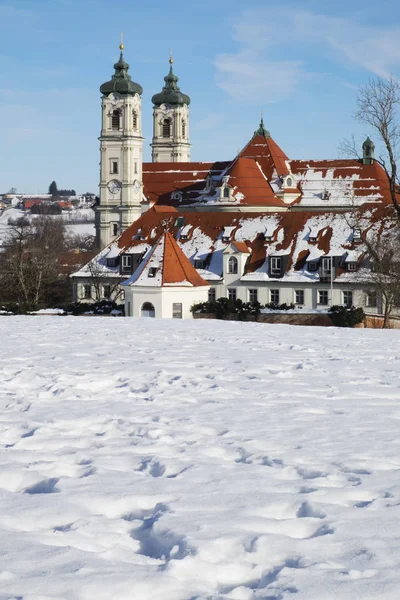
point(177, 460)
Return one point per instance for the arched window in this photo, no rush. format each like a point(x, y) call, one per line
point(227, 193)
point(166, 128)
point(115, 120)
point(232, 265)
point(134, 119)
point(183, 128)
point(147, 310)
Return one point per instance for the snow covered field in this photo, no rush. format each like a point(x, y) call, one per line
point(175, 460)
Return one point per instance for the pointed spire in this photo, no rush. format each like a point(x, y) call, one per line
point(261, 130)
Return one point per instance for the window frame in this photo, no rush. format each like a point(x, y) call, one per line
point(105, 295)
point(275, 260)
point(352, 266)
point(326, 260)
point(177, 310)
point(296, 301)
point(274, 292)
point(233, 265)
point(166, 128)
point(325, 294)
point(152, 272)
point(114, 167)
point(116, 113)
point(126, 261)
point(345, 302)
point(212, 294)
point(86, 291)
point(253, 294)
point(232, 294)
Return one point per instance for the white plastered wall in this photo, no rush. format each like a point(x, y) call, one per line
point(163, 299)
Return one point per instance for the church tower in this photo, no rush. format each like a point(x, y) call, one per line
point(121, 145)
point(171, 122)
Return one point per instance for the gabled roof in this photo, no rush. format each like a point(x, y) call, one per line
point(166, 265)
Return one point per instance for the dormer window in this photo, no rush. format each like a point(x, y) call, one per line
point(166, 128)
point(326, 265)
point(179, 222)
point(152, 271)
point(232, 265)
point(227, 192)
point(325, 195)
point(312, 267)
point(198, 263)
point(115, 120)
point(352, 266)
point(276, 265)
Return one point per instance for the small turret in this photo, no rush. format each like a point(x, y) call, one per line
point(261, 130)
point(368, 152)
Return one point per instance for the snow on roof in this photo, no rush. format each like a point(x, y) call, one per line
point(166, 265)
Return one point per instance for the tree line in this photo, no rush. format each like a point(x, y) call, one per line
point(31, 276)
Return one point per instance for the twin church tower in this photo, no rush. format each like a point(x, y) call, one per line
point(121, 145)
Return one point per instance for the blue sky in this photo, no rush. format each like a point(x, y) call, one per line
point(299, 62)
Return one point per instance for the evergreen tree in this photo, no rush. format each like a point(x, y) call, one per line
point(53, 188)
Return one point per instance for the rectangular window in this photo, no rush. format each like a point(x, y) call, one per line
point(106, 291)
point(299, 296)
point(87, 291)
point(126, 261)
point(326, 265)
point(253, 295)
point(370, 299)
point(112, 262)
point(232, 294)
point(276, 265)
point(152, 271)
point(179, 222)
point(323, 297)
point(115, 229)
point(198, 264)
point(212, 295)
point(352, 266)
point(312, 267)
point(274, 296)
point(114, 167)
point(348, 298)
point(177, 310)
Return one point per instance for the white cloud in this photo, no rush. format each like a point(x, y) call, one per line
point(256, 73)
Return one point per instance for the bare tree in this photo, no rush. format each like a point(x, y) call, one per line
point(100, 278)
point(381, 277)
point(378, 106)
point(29, 262)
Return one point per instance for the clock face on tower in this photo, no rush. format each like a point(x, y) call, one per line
point(115, 98)
point(114, 186)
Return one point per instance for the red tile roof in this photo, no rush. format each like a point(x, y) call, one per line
point(246, 178)
point(268, 154)
point(177, 267)
point(171, 266)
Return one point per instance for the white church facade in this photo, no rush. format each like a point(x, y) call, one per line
point(259, 227)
